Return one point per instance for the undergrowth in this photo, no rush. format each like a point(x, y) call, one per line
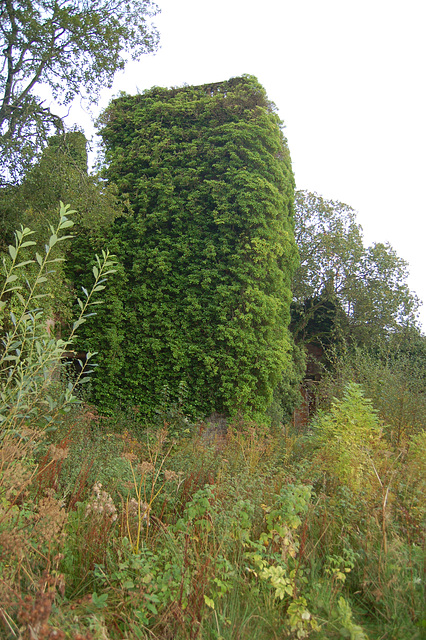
point(111, 528)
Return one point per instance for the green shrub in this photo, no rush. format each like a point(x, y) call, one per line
point(347, 435)
point(392, 378)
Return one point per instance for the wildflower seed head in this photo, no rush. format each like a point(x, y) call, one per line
point(129, 456)
point(101, 503)
point(58, 453)
point(145, 467)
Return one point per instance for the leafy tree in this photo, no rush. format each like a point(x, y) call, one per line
point(61, 175)
point(367, 284)
point(68, 48)
point(330, 245)
point(381, 302)
point(209, 250)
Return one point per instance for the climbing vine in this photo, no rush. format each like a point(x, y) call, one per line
point(208, 250)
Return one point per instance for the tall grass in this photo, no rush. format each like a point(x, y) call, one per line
point(111, 528)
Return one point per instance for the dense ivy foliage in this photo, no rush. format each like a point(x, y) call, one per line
point(208, 250)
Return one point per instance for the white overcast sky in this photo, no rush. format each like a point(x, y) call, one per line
point(348, 78)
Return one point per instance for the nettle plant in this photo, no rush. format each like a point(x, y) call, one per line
point(32, 393)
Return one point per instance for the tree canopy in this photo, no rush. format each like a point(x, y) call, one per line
point(367, 286)
point(64, 47)
point(61, 174)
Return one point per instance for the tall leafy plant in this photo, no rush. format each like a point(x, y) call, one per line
point(347, 435)
point(71, 48)
point(31, 394)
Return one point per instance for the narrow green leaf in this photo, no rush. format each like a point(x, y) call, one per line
point(77, 323)
point(15, 288)
point(66, 224)
point(23, 264)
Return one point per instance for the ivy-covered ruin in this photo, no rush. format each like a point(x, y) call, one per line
point(207, 250)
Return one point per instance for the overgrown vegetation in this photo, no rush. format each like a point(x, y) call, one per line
point(208, 249)
point(342, 290)
point(113, 528)
point(149, 522)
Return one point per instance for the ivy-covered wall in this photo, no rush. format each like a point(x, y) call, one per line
point(208, 250)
